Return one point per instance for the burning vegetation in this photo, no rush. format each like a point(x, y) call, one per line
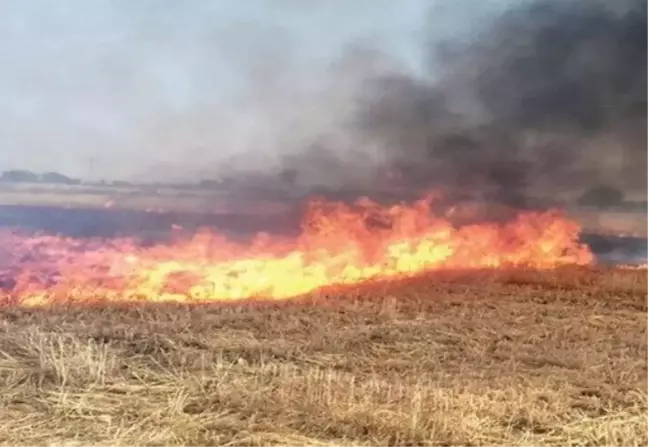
point(339, 244)
point(524, 108)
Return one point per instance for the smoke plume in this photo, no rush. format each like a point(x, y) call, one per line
point(540, 98)
point(547, 99)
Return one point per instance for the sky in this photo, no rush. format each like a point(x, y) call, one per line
point(160, 89)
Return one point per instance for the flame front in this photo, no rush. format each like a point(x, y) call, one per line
point(339, 244)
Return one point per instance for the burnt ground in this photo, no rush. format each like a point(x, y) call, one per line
point(151, 226)
point(480, 358)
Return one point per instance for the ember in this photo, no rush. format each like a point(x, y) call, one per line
point(339, 244)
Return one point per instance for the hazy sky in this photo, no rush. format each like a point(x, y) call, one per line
point(121, 89)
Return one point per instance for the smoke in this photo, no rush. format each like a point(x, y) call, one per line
point(509, 100)
point(179, 91)
point(549, 98)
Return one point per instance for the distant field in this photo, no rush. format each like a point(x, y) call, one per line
point(137, 198)
point(196, 200)
point(626, 223)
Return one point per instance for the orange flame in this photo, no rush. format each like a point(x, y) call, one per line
point(339, 244)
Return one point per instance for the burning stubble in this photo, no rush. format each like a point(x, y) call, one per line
point(491, 124)
point(339, 245)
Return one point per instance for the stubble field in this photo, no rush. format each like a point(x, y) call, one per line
point(516, 358)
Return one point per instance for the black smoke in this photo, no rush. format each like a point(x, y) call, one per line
point(547, 99)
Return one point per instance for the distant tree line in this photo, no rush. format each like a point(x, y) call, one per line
point(24, 176)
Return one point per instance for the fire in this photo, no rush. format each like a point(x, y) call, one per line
point(339, 244)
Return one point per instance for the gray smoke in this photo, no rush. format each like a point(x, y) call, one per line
point(544, 98)
point(167, 91)
point(548, 99)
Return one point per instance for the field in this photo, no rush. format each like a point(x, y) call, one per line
point(627, 221)
point(143, 197)
point(465, 358)
point(516, 358)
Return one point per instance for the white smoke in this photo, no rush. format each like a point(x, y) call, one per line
point(159, 89)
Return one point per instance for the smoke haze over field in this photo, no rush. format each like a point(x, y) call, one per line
point(153, 89)
point(550, 95)
point(500, 96)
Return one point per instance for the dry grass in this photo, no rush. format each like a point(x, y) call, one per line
point(518, 358)
point(614, 222)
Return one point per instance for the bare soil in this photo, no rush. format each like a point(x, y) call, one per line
point(478, 358)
